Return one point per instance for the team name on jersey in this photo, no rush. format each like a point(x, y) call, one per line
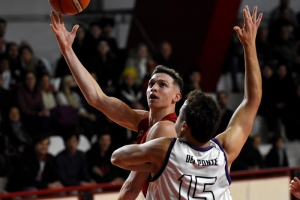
point(190, 159)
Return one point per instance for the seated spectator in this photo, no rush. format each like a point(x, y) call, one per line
point(222, 98)
point(277, 155)
point(98, 157)
point(30, 63)
point(94, 34)
point(242, 161)
point(71, 163)
point(108, 26)
point(47, 92)
point(38, 169)
point(30, 101)
point(19, 137)
point(165, 56)
point(257, 161)
point(263, 46)
point(138, 60)
point(12, 52)
point(5, 71)
point(2, 34)
point(129, 92)
point(6, 99)
point(104, 65)
point(68, 96)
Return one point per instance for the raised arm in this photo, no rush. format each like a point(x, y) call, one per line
point(113, 108)
point(241, 122)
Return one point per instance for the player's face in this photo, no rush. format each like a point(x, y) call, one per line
point(161, 91)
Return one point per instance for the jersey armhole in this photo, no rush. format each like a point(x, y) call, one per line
point(156, 176)
point(226, 166)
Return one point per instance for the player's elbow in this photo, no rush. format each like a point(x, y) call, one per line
point(116, 159)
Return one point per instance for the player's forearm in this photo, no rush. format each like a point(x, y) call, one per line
point(253, 88)
point(89, 87)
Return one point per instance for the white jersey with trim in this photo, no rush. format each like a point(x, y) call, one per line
point(190, 172)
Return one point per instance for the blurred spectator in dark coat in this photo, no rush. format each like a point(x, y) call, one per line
point(71, 163)
point(257, 161)
point(277, 155)
point(263, 46)
point(12, 52)
point(108, 27)
point(2, 34)
point(99, 165)
point(6, 99)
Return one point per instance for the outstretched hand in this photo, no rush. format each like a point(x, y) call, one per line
point(64, 38)
point(295, 187)
point(247, 34)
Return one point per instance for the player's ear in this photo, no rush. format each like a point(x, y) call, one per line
point(177, 97)
point(184, 127)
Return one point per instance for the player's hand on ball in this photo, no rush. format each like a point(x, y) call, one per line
point(247, 34)
point(64, 37)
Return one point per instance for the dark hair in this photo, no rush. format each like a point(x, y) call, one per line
point(202, 113)
point(22, 48)
point(71, 131)
point(8, 45)
point(3, 21)
point(39, 137)
point(218, 94)
point(171, 72)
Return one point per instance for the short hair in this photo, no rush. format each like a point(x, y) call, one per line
point(39, 137)
point(3, 21)
point(202, 113)
point(72, 131)
point(171, 72)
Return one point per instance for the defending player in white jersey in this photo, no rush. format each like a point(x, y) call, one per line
point(193, 166)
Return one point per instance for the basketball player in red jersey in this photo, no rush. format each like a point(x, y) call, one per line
point(163, 92)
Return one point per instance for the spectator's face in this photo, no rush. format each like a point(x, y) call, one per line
point(256, 142)
point(14, 114)
point(26, 55)
point(282, 71)
point(286, 14)
point(267, 72)
point(143, 52)
point(2, 29)
point(166, 50)
point(30, 80)
point(72, 144)
point(285, 32)
point(263, 34)
point(103, 47)
point(13, 51)
point(280, 143)
point(41, 148)
point(80, 34)
point(129, 80)
point(45, 82)
point(195, 77)
point(4, 65)
point(95, 31)
point(223, 100)
point(108, 29)
point(104, 142)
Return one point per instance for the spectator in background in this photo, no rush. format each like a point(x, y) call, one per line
point(6, 98)
point(47, 93)
point(222, 98)
point(192, 82)
point(94, 34)
point(277, 155)
point(108, 26)
point(257, 161)
point(138, 60)
point(12, 52)
point(129, 92)
point(263, 46)
point(67, 96)
point(292, 117)
point(104, 65)
point(71, 163)
point(2, 34)
point(38, 168)
point(5, 71)
point(99, 164)
point(276, 13)
point(30, 63)
point(165, 56)
point(30, 101)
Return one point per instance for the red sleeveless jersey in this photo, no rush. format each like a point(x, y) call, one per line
point(143, 129)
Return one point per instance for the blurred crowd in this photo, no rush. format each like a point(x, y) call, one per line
point(36, 105)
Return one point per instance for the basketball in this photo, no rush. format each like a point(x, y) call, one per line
point(69, 7)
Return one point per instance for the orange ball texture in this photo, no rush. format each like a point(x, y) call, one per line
point(69, 7)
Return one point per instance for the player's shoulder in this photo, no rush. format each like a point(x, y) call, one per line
point(162, 129)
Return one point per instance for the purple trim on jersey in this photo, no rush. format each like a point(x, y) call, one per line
point(226, 166)
point(199, 148)
point(165, 161)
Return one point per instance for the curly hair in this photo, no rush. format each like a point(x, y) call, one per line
point(171, 72)
point(203, 114)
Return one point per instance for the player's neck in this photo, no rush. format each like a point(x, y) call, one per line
point(156, 115)
point(189, 139)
